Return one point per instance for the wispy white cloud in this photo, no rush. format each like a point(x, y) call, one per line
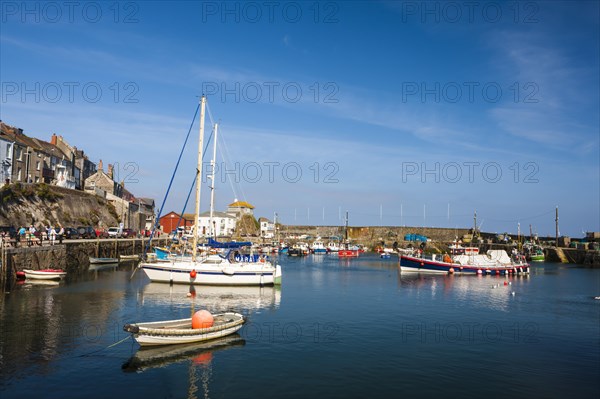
point(552, 109)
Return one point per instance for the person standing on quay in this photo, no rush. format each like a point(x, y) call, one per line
point(30, 235)
point(52, 235)
point(21, 235)
point(61, 232)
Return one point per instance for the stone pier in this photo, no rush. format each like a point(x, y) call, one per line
point(71, 256)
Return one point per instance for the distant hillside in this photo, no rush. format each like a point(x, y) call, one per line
point(42, 204)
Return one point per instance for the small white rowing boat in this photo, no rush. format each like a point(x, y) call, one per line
point(45, 274)
point(95, 261)
point(129, 257)
point(181, 332)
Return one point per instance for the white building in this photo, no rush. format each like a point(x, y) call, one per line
point(267, 228)
point(240, 208)
point(223, 224)
point(6, 151)
point(63, 178)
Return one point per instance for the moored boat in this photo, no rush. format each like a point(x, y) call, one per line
point(211, 268)
point(95, 261)
point(44, 274)
point(214, 270)
point(180, 331)
point(534, 252)
point(493, 262)
point(318, 247)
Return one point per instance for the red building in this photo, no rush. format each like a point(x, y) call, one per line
point(168, 222)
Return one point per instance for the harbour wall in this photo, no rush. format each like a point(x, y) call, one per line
point(71, 256)
point(367, 234)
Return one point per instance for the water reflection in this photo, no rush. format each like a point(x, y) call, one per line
point(103, 267)
point(213, 298)
point(492, 292)
point(199, 357)
point(200, 353)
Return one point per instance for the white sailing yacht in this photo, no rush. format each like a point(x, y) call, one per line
point(212, 269)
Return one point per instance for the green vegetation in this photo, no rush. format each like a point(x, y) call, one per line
point(16, 192)
point(44, 192)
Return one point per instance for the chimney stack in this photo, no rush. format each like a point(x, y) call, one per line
point(53, 139)
point(110, 171)
point(100, 166)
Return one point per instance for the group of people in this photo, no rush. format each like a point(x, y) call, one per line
point(30, 235)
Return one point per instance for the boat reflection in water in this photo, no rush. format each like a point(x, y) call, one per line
point(485, 292)
point(217, 299)
point(200, 353)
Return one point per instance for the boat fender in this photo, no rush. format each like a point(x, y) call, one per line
point(193, 273)
point(262, 260)
point(451, 270)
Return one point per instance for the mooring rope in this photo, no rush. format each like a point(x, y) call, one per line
point(108, 347)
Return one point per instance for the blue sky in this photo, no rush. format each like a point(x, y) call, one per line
point(412, 113)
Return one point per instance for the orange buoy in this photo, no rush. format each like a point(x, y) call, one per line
point(202, 319)
point(193, 273)
point(451, 271)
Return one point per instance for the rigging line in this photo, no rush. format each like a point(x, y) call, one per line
point(171, 181)
point(193, 183)
point(240, 187)
point(224, 154)
point(209, 113)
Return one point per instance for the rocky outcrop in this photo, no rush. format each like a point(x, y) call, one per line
point(43, 205)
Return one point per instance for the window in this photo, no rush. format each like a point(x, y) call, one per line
point(37, 165)
point(19, 154)
point(19, 174)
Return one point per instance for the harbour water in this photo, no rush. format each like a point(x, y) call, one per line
point(335, 328)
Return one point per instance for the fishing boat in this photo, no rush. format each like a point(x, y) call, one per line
point(44, 274)
point(95, 261)
point(534, 252)
point(333, 246)
point(209, 268)
point(180, 331)
point(346, 250)
point(348, 253)
point(318, 247)
point(493, 262)
point(537, 255)
point(298, 249)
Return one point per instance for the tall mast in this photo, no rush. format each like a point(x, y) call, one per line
point(346, 226)
point(530, 234)
point(198, 178)
point(212, 182)
point(474, 225)
point(556, 221)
